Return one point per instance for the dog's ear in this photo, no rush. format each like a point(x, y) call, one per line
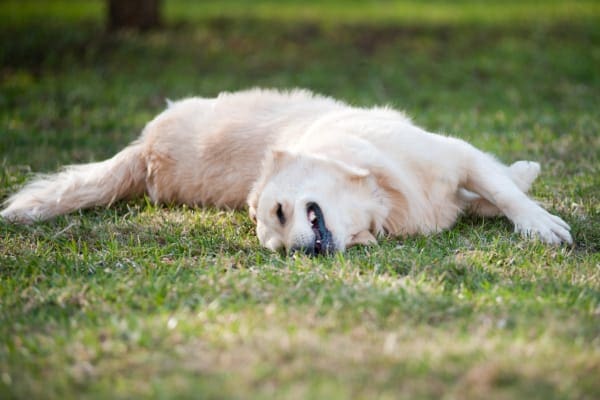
point(364, 237)
point(354, 173)
point(252, 200)
point(277, 159)
point(252, 212)
point(274, 160)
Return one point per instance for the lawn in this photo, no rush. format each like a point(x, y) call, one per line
point(168, 302)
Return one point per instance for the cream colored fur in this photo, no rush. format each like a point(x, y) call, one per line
point(371, 171)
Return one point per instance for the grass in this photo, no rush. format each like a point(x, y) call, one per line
point(168, 302)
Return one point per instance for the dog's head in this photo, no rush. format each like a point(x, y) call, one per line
point(314, 204)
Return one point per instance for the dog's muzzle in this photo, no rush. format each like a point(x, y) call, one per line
point(323, 241)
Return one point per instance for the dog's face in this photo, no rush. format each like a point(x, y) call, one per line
point(313, 204)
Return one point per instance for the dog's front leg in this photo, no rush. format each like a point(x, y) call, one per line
point(522, 173)
point(490, 179)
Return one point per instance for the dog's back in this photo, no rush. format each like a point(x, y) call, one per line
point(197, 152)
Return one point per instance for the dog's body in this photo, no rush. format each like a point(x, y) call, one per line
point(316, 173)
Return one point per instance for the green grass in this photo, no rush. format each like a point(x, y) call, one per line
point(145, 301)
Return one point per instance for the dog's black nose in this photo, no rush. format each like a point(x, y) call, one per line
point(323, 242)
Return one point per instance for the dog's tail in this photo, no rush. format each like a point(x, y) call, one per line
point(79, 186)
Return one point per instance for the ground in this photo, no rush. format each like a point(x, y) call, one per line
point(170, 302)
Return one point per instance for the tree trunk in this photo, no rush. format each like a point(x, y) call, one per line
point(134, 14)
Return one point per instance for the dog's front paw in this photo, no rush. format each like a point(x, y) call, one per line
point(540, 224)
point(523, 173)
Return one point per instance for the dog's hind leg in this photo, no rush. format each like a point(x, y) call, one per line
point(522, 173)
point(491, 180)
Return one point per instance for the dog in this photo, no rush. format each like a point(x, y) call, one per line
point(317, 174)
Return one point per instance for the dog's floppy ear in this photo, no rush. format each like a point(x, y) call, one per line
point(352, 171)
point(274, 160)
point(252, 199)
point(252, 211)
point(278, 158)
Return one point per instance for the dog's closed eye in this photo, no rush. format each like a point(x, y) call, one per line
point(280, 214)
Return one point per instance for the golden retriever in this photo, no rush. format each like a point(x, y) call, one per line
point(317, 174)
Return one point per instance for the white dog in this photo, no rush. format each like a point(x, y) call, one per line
point(317, 174)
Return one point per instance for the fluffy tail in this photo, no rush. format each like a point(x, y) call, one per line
point(79, 186)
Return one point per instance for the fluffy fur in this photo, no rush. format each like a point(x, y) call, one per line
point(371, 171)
